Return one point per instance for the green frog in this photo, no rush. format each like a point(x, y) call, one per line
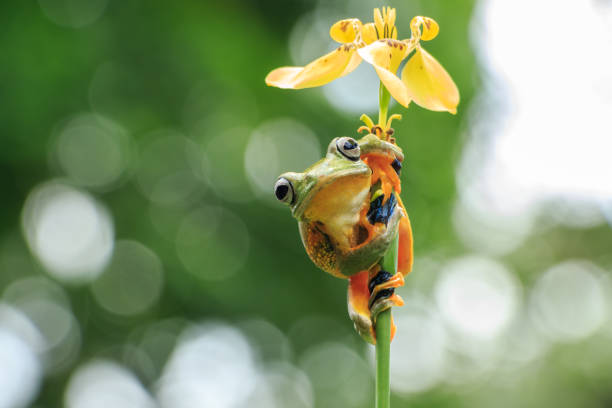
point(349, 211)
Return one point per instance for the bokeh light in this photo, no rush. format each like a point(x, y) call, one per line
point(212, 243)
point(73, 13)
point(170, 169)
point(338, 375)
point(523, 344)
point(484, 227)
point(102, 383)
point(281, 385)
point(419, 346)
point(47, 307)
point(212, 366)
point(20, 371)
point(225, 169)
point(267, 340)
point(570, 300)
point(156, 342)
point(39, 288)
point(60, 330)
point(477, 296)
point(132, 282)
point(275, 147)
point(17, 322)
point(68, 231)
point(578, 213)
point(93, 151)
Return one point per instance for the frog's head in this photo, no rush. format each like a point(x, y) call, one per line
point(332, 199)
point(337, 184)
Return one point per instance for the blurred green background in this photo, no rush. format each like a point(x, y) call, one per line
point(144, 261)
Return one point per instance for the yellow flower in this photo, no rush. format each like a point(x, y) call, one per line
point(423, 79)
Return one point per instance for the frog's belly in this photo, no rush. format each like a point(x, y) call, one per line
point(337, 207)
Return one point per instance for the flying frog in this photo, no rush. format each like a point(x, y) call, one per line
point(349, 211)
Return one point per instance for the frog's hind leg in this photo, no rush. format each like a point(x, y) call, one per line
point(405, 251)
point(370, 293)
point(359, 312)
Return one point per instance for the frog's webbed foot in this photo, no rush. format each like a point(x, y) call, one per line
point(382, 292)
point(370, 293)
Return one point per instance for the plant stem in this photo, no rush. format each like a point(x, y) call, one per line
point(389, 264)
point(383, 336)
point(383, 100)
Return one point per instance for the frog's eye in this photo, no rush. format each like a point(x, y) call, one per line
point(283, 190)
point(349, 148)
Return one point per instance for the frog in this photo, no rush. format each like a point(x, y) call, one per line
point(349, 211)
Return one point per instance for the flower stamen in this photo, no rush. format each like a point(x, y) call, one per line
point(385, 23)
point(367, 121)
point(392, 118)
point(362, 129)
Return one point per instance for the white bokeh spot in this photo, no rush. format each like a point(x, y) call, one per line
point(569, 301)
point(20, 371)
point(418, 348)
point(478, 297)
point(103, 384)
point(68, 231)
point(212, 366)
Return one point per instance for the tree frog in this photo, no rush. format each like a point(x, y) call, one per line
point(349, 211)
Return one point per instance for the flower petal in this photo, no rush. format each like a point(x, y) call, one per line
point(345, 31)
point(282, 77)
point(428, 83)
point(428, 25)
point(385, 56)
point(337, 63)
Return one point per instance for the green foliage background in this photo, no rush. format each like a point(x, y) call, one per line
point(159, 52)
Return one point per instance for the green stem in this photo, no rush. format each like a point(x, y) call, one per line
point(383, 331)
point(383, 99)
point(383, 336)
point(383, 321)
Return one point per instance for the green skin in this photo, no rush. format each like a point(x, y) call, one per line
point(314, 180)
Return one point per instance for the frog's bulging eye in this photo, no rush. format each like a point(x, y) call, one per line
point(349, 148)
point(283, 190)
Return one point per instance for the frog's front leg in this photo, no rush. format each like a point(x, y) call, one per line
point(369, 293)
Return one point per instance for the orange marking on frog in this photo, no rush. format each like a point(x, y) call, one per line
point(389, 180)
